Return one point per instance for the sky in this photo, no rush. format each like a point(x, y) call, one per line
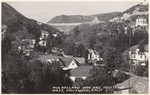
point(45, 11)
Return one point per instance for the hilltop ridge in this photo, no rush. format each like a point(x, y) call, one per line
point(81, 19)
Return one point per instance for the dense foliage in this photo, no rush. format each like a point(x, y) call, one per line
point(29, 76)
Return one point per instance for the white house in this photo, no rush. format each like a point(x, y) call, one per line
point(55, 35)
point(93, 55)
point(42, 43)
point(141, 22)
point(44, 35)
point(71, 65)
point(136, 57)
point(27, 46)
point(4, 27)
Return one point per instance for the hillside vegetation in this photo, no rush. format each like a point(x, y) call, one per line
point(80, 18)
point(16, 22)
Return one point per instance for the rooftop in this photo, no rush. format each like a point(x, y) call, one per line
point(133, 49)
point(91, 50)
point(66, 60)
point(81, 71)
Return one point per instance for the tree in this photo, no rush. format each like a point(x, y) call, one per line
point(14, 25)
point(78, 82)
point(109, 58)
point(35, 68)
point(53, 75)
point(98, 46)
point(99, 76)
point(139, 70)
point(15, 72)
point(69, 50)
point(6, 45)
point(49, 42)
point(121, 77)
point(45, 76)
point(141, 45)
point(78, 50)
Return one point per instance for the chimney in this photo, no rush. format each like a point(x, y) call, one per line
point(137, 50)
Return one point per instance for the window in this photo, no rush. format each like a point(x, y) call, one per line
point(133, 56)
point(141, 56)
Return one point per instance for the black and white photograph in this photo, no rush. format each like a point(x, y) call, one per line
point(75, 47)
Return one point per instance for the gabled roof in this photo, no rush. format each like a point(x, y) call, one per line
point(133, 49)
point(77, 63)
point(57, 60)
point(80, 60)
point(67, 61)
point(81, 71)
point(96, 52)
point(91, 50)
point(133, 52)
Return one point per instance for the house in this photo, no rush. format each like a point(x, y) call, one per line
point(4, 27)
point(27, 46)
point(125, 30)
point(137, 57)
point(141, 22)
point(133, 85)
point(93, 55)
point(58, 60)
point(80, 72)
point(70, 63)
point(26, 52)
point(74, 63)
point(42, 43)
point(55, 35)
point(44, 35)
point(30, 43)
point(81, 60)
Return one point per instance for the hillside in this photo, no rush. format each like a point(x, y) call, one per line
point(15, 22)
point(132, 13)
point(115, 33)
point(80, 18)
